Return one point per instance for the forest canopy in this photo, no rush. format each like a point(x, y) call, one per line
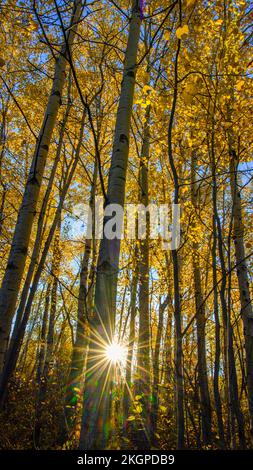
point(112, 341)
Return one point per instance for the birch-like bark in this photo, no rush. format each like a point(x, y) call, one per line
point(20, 242)
point(97, 398)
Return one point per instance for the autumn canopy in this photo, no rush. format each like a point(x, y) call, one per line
point(126, 268)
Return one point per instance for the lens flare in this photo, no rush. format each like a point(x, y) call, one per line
point(116, 353)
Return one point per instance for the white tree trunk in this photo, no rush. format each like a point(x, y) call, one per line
point(20, 243)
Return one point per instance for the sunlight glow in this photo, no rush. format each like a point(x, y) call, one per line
point(116, 353)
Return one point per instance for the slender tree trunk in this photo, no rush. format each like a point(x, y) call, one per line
point(242, 272)
point(3, 187)
point(97, 399)
point(13, 353)
point(2, 205)
point(229, 359)
point(81, 340)
point(40, 226)
point(155, 391)
point(43, 384)
point(20, 243)
point(131, 340)
point(42, 343)
point(175, 260)
point(216, 388)
point(142, 384)
point(205, 402)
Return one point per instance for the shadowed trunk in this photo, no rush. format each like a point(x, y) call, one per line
point(205, 403)
point(75, 379)
point(242, 271)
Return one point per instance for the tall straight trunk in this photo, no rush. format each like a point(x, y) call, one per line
point(75, 377)
point(205, 402)
point(41, 220)
point(43, 384)
point(131, 340)
point(155, 389)
point(13, 353)
point(216, 387)
point(231, 385)
point(97, 397)
point(179, 378)
point(168, 356)
point(42, 341)
point(242, 271)
point(2, 206)
point(230, 372)
point(3, 140)
point(34, 315)
point(178, 355)
point(20, 243)
point(143, 350)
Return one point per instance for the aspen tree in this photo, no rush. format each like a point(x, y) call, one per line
point(242, 270)
point(75, 377)
point(143, 356)
point(200, 320)
point(13, 353)
point(20, 242)
point(97, 398)
point(175, 260)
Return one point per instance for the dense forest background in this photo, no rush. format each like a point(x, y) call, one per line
point(140, 103)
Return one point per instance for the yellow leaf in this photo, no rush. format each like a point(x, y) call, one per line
point(138, 408)
point(146, 88)
point(131, 418)
point(2, 62)
point(167, 35)
point(182, 31)
point(137, 397)
point(163, 409)
point(34, 26)
point(239, 85)
point(227, 124)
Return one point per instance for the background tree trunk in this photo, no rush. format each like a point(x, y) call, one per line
point(242, 271)
point(201, 321)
